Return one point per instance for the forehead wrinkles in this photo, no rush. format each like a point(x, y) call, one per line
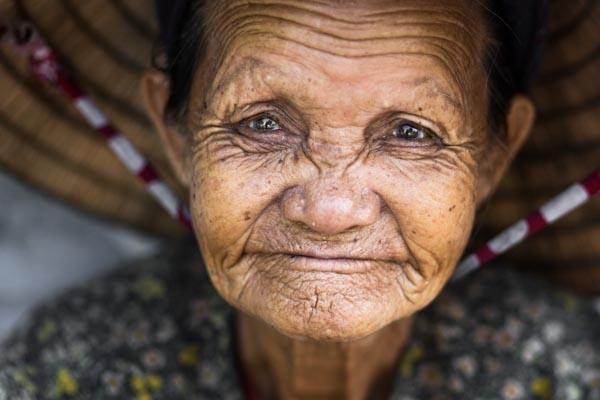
point(354, 31)
point(452, 31)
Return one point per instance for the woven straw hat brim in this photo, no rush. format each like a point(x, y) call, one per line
point(563, 148)
point(108, 44)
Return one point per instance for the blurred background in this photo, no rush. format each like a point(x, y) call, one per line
point(46, 246)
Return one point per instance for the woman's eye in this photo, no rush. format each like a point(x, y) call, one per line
point(408, 131)
point(264, 124)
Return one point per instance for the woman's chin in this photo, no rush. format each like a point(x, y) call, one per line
point(327, 305)
point(340, 320)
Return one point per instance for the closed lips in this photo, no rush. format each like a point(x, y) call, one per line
point(326, 262)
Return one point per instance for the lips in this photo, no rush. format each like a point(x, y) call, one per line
point(329, 252)
point(365, 250)
point(342, 265)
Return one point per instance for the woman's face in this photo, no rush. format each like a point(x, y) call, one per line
point(335, 157)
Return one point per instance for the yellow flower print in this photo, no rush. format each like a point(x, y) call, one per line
point(142, 384)
point(65, 384)
point(189, 356)
point(541, 387)
point(143, 396)
point(412, 355)
point(154, 381)
point(22, 378)
point(46, 331)
point(148, 288)
point(569, 301)
point(137, 383)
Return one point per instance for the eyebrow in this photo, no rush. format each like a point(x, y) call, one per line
point(438, 89)
point(247, 63)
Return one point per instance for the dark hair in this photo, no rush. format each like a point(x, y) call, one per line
point(511, 58)
point(183, 44)
point(518, 33)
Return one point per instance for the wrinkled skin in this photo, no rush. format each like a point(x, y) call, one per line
point(335, 154)
point(331, 227)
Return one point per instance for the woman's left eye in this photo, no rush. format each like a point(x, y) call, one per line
point(264, 124)
point(409, 131)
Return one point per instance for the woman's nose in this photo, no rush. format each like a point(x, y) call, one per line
point(331, 207)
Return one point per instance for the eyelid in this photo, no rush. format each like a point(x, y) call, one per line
point(270, 108)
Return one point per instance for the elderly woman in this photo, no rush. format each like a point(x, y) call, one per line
point(335, 155)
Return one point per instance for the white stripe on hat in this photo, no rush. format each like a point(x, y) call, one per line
point(564, 202)
point(467, 265)
point(127, 153)
point(91, 113)
point(509, 237)
point(164, 195)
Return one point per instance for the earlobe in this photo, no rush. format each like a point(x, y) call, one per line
point(519, 123)
point(155, 93)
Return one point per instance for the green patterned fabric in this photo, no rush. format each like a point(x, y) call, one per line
point(156, 329)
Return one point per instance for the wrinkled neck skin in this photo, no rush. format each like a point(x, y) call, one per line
point(281, 367)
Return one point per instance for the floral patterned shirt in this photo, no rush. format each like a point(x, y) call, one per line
point(157, 329)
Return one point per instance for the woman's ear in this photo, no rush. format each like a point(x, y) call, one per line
point(500, 153)
point(155, 93)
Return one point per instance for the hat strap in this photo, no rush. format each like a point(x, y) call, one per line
point(46, 66)
point(559, 206)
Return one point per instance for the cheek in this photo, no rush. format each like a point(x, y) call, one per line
point(432, 201)
point(227, 196)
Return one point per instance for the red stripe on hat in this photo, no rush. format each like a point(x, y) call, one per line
point(45, 64)
point(68, 86)
point(148, 173)
point(535, 222)
point(107, 131)
point(485, 254)
point(182, 216)
point(592, 183)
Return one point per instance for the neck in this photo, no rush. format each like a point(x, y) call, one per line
point(285, 368)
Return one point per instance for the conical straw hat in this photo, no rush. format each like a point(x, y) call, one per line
point(108, 44)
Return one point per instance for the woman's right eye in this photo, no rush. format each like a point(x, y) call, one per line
point(264, 124)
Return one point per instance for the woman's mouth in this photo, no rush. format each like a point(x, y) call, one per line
point(340, 265)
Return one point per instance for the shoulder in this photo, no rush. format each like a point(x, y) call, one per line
point(505, 334)
point(139, 331)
